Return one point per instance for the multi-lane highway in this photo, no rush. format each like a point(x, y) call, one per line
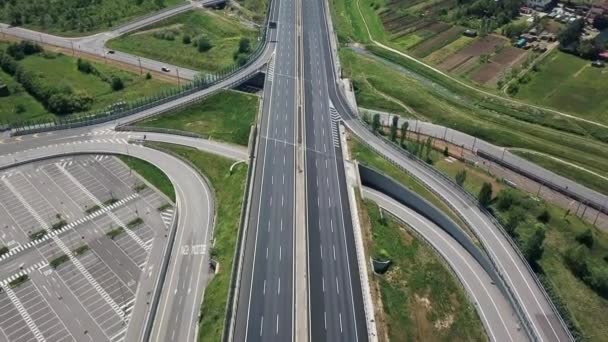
point(265, 310)
point(336, 311)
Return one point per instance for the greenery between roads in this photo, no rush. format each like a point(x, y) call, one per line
point(377, 85)
point(41, 82)
point(20, 280)
point(152, 174)
point(3, 250)
point(76, 17)
point(115, 232)
point(228, 188)
point(201, 40)
point(421, 299)
point(569, 255)
point(365, 156)
point(226, 116)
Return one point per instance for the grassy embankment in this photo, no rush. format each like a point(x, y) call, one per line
point(520, 213)
point(75, 17)
point(377, 84)
point(164, 41)
point(226, 116)
point(152, 174)
point(61, 72)
point(228, 188)
point(421, 300)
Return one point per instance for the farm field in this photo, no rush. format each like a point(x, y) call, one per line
point(173, 40)
point(74, 17)
point(570, 84)
point(61, 72)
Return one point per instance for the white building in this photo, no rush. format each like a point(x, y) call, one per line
point(538, 3)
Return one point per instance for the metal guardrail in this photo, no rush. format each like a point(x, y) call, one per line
point(472, 201)
point(201, 83)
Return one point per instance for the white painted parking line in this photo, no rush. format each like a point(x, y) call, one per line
point(24, 314)
point(111, 215)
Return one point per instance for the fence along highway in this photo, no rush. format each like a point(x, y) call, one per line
point(265, 301)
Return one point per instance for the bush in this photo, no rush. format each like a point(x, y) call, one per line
point(117, 83)
point(576, 259)
point(85, 66)
point(585, 238)
point(244, 45)
point(533, 247)
point(544, 216)
point(485, 195)
point(23, 48)
point(19, 108)
point(186, 39)
point(204, 44)
point(148, 76)
point(241, 59)
point(506, 199)
point(460, 177)
point(66, 103)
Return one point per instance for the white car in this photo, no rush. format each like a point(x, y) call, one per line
point(165, 69)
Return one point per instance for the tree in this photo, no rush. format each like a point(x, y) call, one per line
point(85, 66)
point(186, 39)
point(117, 83)
point(376, 122)
point(576, 260)
point(485, 195)
point(544, 216)
point(588, 49)
point(533, 247)
point(366, 117)
point(404, 126)
point(204, 44)
point(148, 76)
point(429, 149)
point(600, 22)
point(244, 45)
point(585, 238)
point(460, 177)
point(514, 218)
point(505, 199)
point(394, 123)
point(571, 34)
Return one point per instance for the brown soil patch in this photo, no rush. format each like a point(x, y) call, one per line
point(483, 46)
point(436, 42)
point(438, 27)
point(486, 72)
point(420, 309)
point(508, 55)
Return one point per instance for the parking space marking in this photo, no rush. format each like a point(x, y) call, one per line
point(26, 271)
point(114, 217)
point(69, 226)
point(26, 316)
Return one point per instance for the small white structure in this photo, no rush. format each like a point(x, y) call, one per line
point(538, 3)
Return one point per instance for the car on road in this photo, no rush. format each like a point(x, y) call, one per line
point(165, 69)
point(110, 52)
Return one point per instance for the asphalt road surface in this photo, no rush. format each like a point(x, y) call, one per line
point(335, 297)
point(496, 313)
point(265, 301)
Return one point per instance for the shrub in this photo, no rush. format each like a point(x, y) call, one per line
point(22, 49)
point(244, 45)
point(585, 238)
point(533, 247)
point(204, 44)
point(186, 39)
point(461, 177)
point(85, 66)
point(485, 195)
point(117, 83)
point(576, 260)
point(506, 199)
point(544, 216)
point(446, 152)
point(148, 76)
point(19, 108)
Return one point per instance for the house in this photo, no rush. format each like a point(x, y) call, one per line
point(541, 4)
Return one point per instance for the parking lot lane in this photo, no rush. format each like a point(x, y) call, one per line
point(12, 323)
point(78, 321)
point(116, 260)
point(41, 313)
point(9, 233)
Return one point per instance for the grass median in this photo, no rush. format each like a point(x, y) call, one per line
point(226, 116)
point(228, 188)
point(152, 174)
point(421, 300)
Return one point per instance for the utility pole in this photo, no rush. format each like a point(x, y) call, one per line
point(177, 71)
point(72, 43)
point(141, 71)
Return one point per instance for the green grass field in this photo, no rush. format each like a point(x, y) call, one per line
point(254, 10)
point(228, 188)
point(585, 306)
point(226, 116)
point(77, 18)
point(421, 299)
point(568, 83)
point(152, 174)
point(61, 71)
point(480, 117)
point(223, 31)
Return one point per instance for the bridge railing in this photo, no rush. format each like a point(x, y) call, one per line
point(124, 109)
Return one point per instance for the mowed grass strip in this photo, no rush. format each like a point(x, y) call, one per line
point(421, 299)
point(568, 83)
point(226, 116)
point(152, 174)
point(223, 33)
point(228, 188)
point(440, 55)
